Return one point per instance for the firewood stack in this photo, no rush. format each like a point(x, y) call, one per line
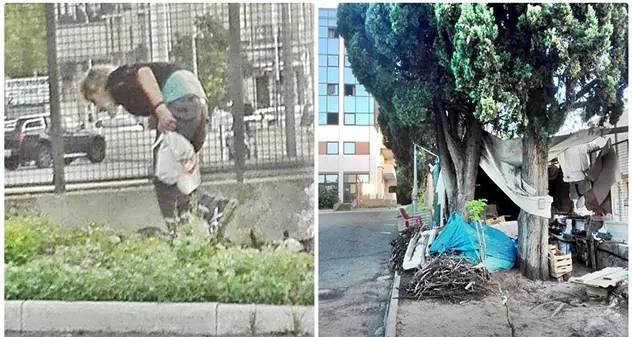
point(398, 248)
point(450, 278)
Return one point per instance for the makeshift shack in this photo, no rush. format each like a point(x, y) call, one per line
point(584, 171)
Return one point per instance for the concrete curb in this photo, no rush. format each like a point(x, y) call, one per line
point(214, 319)
point(391, 318)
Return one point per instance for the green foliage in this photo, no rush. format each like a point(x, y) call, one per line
point(476, 208)
point(26, 238)
point(212, 58)
point(404, 186)
point(24, 39)
point(394, 66)
point(529, 66)
point(327, 197)
point(92, 264)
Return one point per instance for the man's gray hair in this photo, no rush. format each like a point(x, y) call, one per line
point(95, 78)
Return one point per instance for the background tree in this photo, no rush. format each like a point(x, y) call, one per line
point(24, 39)
point(528, 66)
point(393, 52)
point(212, 58)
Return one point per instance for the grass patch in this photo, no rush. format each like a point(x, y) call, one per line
point(43, 262)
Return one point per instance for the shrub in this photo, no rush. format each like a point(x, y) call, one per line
point(89, 265)
point(327, 197)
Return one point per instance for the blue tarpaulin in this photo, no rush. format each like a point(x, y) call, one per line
point(460, 237)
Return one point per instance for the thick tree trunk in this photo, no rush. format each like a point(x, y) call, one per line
point(462, 182)
point(467, 179)
point(533, 230)
point(447, 169)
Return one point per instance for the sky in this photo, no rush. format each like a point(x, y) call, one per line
point(328, 4)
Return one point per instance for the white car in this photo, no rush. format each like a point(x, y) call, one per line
point(122, 122)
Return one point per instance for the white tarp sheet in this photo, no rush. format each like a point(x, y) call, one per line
point(501, 160)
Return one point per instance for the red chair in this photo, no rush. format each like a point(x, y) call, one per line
point(408, 220)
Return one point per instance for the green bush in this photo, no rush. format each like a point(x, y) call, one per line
point(92, 265)
point(327, 197)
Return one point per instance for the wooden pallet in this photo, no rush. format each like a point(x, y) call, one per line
point(559, 264)
point(607, 277)
point(600, 283)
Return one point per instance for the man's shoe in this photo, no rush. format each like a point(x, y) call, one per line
point(226, 210)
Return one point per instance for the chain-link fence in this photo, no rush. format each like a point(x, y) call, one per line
point(276, 81)
point(619, 192)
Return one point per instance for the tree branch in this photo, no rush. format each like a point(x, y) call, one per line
point(579, 105)
point(453, 147)
point(587, 88)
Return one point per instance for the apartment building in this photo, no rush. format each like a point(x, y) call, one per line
point(351, 155)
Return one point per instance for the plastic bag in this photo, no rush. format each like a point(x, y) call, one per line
point(177, 162)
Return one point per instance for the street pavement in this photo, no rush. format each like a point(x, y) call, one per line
point(353, 271)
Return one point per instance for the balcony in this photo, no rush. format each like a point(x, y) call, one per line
point(388, 154)
point(388, 172)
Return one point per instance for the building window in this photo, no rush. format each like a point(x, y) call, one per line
point(328, 181)
point(358, 104)
point(332, 89)
point(327, 190)
point(332, 33)
point(354, 185)
point(350, 90)
point(349, 148)
point(328, 69)
point(332, 147)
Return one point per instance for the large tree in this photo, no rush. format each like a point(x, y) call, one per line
point(211, 42)
point(397, 53)
point(24, 39)
point(529, 66)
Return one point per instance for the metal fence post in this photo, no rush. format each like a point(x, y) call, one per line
point(236, 86)
point(289, 99)
point(55, 108)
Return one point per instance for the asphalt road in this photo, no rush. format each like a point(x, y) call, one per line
point(353, 257)
point(129, 156)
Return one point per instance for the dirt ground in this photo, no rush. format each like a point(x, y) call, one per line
point(579, 317)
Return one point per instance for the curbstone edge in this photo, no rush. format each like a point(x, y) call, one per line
point(273, 319)
point(391, 318)
point(234, 319)
point(192, 318)
point(13, 315)
point(177, 318)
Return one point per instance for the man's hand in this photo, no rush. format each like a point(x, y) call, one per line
point(166, 121)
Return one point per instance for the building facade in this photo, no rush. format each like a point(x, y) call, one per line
point(351, 155)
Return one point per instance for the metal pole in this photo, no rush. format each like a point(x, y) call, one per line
point(288, 83)
point(194, 52)
point(415, 188)
point(194, 45)
point(236, 87)
point(55, 108)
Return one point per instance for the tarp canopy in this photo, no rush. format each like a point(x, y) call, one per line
point(461, 237)
point(501, 160)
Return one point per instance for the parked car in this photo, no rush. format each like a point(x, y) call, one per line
point(122, 122)
point(27, 139)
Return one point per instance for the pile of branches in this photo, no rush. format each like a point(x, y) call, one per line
point(398, 248)
point(450, 278)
